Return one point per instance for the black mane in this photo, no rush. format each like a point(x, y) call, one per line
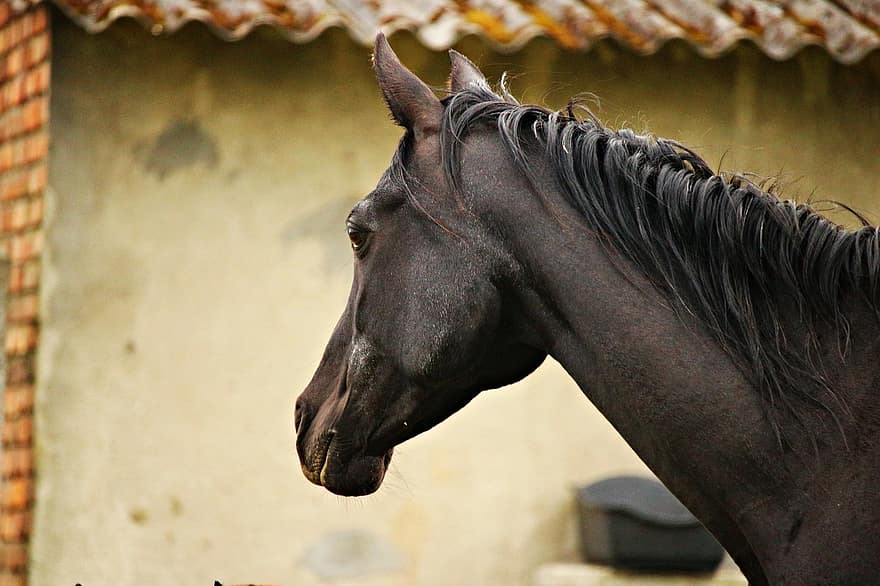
point(736, 257)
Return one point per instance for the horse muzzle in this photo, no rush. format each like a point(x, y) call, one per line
point(326, 461)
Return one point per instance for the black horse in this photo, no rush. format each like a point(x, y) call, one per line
point(731, 338)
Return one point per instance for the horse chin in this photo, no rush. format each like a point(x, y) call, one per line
point(357, 476)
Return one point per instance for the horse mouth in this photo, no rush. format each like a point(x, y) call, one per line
point(324, 451)
point(356, 474)
point(316, 468)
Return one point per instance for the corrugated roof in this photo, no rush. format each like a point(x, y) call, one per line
point(848, 29)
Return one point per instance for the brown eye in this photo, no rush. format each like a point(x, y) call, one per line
point(357, 235)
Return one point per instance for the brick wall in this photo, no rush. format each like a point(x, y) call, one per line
point(24, 144)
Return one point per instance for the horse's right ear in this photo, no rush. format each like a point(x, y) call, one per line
point(464, 73)
point(412, 103)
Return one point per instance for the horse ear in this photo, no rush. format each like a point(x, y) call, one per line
point(464, 73)
point(412, 103)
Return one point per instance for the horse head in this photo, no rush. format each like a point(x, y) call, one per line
point(429, 322)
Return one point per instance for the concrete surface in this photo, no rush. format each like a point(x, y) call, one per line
point(197, 263)
point(590, 575)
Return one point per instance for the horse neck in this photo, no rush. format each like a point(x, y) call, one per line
point(662, 380)
point(848, 358)
point(618, 337)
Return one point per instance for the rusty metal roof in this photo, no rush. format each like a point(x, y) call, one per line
point(848, 29)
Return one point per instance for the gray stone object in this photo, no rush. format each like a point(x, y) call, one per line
point(635, 523)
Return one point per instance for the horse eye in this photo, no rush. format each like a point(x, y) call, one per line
point(357, 236)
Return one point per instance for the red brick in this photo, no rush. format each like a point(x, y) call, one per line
point(27, 24)
point(15, 58)
point(21, 247)
point(26, 307)
point(37, 48)
point(17, 27)
point(18, 432)
point(36, 113)
point(13, 92)
point(31, 275)
point(18, 214)
point(37, 178)
point(14, 557)
point(14, 579)
point(43, 74)
point(18, 153)
point(39, 20)
point(29, 84)
point(11, 124)
point(20, 371)
point(35, 147)
point(17, 493)
point(14, 155)
point(17, 462)
point(6, 156)
point(15, 526)
point(18, 400)
point(4, 13)
point(14, 184)
point(7, 219)
point(35, 211)
point(37, 80)
point(15, 277)
point(17, 123)
point(11, 35)
point(24, 277)
point(21, 213)
point(21, 339)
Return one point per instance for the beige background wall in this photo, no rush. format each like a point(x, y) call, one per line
point(197, 263)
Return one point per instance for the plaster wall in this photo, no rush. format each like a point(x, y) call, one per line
point(196, 263)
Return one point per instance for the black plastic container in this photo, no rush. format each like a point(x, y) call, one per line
point(635, 523)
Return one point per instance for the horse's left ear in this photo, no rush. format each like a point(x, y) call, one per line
point(464, 73)
point(412, 103)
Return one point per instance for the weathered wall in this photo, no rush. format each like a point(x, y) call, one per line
point(197, 263)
